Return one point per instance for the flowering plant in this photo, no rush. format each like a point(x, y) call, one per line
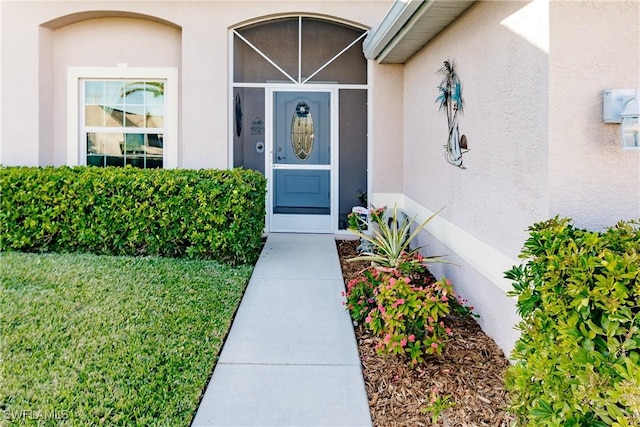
point(360, 294)
point(409, 318)
point(406, 311)
point(360, 222)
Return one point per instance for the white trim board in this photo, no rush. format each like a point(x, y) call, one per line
point(485, 259)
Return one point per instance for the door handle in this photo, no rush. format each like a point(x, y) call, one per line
point(281, 157)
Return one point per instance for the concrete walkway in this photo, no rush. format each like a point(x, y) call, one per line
point(291, 357)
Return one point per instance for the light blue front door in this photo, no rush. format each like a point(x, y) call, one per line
point(301, 178)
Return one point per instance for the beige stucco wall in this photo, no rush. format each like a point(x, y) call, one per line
point(594, 46)
point(195, 35)
point(505, 92)
point(502, 62)
point(503, 67)
point(386, 123)
point(135, 42)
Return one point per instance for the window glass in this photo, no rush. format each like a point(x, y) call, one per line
point(301, 48)
point(353, 152)
point(124, 122)
point(120, 149)
point(249, 136)
point(321, 43)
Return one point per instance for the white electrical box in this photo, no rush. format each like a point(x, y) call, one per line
point(613, 101)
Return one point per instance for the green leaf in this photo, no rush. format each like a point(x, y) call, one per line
point(578, 296)
point(543, 411)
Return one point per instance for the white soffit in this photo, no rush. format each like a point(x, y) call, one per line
point(408, 26)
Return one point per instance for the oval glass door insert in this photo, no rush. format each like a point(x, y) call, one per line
point(302, 133)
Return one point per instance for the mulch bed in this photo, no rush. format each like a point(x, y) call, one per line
point(470, 371)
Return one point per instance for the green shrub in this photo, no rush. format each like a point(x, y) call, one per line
point(406, 312)
point(398, 298)
point(208, 214)
point(578, 358)
point(410, 318)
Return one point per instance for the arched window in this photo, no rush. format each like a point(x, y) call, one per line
point(299, 50)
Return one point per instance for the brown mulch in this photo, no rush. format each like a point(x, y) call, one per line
point(470, 371)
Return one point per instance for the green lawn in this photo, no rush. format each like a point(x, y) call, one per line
point(89, 340)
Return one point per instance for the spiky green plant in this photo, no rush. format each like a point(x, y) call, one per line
point(391, 239)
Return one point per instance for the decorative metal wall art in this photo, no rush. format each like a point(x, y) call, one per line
point(302, 133)
point(450, 99)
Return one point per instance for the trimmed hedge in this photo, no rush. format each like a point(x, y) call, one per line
point(208, 214)
point(578, 358)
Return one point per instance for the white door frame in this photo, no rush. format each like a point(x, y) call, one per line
point(302, 223)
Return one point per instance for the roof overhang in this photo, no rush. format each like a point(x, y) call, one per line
point(408, 26)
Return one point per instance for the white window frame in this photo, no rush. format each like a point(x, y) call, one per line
point(76, 146)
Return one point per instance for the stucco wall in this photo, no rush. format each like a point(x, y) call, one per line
point(594, 46)
point(505, 92)
point(500, 52)
point(136, 42)
point(386, 124)
point(498, 315)
point(29, 89)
